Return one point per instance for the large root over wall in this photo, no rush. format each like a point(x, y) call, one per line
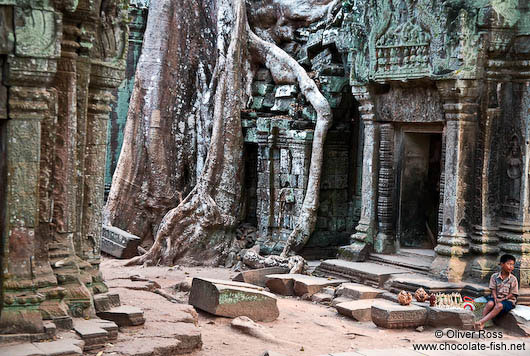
point(200, 228)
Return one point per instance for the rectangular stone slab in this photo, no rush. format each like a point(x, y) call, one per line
point(390, 315)
point(123, 316)
point(358, 291)
point(119, 243)
point(517, 320)
point(299, 284)
point(360, 310)
point(457, 318)
point(258, 276)
point(361, 272)
point(233, 299)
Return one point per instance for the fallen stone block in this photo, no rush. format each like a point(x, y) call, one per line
point(360, 310)
point(442, 317)
point(258, 276)
point(249, 327)
point(282, 284)
point(299, 284)
point(358, 291)
point(390, 315)
point(233, 299)
point(124, 315)
point(321, 298)
point(339, 300)
point(119, 243)
point(310, 285)
point(93, 335)
point(368, 273)
point(517, 320)
point(102, 302)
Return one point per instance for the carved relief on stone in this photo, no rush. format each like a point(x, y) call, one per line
point(36, 33)
point(112, 34)
point(514, 171)
point(403, 49)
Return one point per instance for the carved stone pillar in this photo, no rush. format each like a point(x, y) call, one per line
point(514, 231)
point(461, 111)
point(106, 73)
point(484, 240)
point(64, 223)
point(363, 239)
point(29, 72)
point(385, 239)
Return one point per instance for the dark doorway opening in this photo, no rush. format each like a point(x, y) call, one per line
point(250, 199)
point(420, 189)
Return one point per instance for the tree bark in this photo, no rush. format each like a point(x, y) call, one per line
point(170, 116)
point(201, 227)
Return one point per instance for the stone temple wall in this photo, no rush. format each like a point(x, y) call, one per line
point(470, 61)
point(60, 61)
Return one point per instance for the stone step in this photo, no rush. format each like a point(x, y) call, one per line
point(423, 252)
point(390, 315)
point(299, 284)
point(233, 299)
point(415, 263)
point(124, 315)
point(357, 291)
point(53, 348)
point(449, 317)
point(91, 333)
point(412, 281)
point(367, 273)
point(360, 310)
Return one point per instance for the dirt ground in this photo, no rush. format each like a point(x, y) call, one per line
point(303, 327)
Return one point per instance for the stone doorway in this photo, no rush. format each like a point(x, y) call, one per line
point(419, 188)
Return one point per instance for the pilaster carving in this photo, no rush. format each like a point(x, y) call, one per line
point(385, 240)
point(363, 239)
point(461, 112)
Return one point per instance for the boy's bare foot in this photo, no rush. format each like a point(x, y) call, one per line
point(479, 326)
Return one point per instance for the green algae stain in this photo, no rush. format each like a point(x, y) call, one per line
point(234, 297)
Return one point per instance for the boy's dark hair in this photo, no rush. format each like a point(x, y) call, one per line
point(505, 258)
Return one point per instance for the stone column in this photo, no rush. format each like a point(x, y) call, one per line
point(64, 216)
point(385, 239)
point(31, 65)
point(107, 66)
point(461, 110)
point(484, 240)
point(366, 230)
point(514, 231)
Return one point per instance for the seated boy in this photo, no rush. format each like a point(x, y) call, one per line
point(504, 291)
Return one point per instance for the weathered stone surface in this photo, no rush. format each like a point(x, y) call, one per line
point(92, 334)
point(517, 320)
point(119, 243)
point(233, 299)
point(357, 291)
point(124, 315)
point(59, 348)
point(340, 300)
point(258, 276)
point(102, 302)
point(26, 349)
point(322, 298)
point(458, 318)
point(394, 316)
point(299, 284)
point(360, 310)
point(361, 272)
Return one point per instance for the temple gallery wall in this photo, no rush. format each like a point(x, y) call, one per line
point(429, 146)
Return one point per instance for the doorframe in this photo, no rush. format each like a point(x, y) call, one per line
point(401, 130)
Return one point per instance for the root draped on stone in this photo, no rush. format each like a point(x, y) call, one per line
point(202, 226)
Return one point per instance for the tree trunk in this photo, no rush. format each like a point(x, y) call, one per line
point(201, 227)
point(169, 121)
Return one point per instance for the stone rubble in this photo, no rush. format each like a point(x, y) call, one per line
point(233, 299)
